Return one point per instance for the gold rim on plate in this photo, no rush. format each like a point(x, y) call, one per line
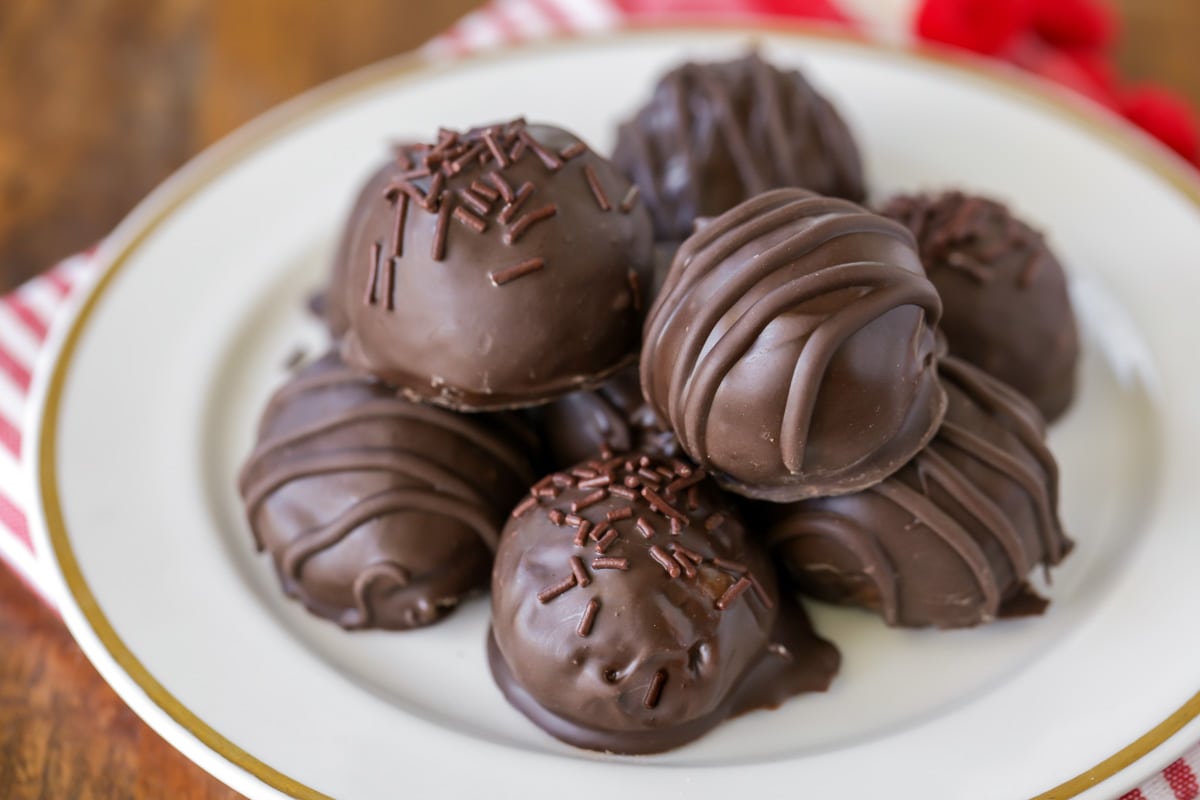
point(214, 162)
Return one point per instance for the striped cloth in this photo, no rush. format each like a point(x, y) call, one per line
point(28, 314)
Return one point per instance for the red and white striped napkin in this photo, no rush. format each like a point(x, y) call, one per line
point(28, 314)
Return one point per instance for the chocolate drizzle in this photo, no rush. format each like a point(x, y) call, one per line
point(378, 512)
point(792, 347)
point(483, 227)
point(1005, 293)
point(716, 134)
point(669, 622)
point(950, 538)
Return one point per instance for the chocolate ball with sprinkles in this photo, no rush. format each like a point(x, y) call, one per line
point(1004, 293)
point(792, 348)
point(715, 134)
point(502, 267)
point(631, 612)
point(950, 539)
point(379, 512)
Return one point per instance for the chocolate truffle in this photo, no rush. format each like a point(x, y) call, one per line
point(716, 134)
point(379, 512)
point(500, 267)
point(1004, 293)
point(792, 348)
point(948, 540)
point(615, 417)
point(631, 613)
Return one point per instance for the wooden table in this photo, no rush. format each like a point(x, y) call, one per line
point(98, 102)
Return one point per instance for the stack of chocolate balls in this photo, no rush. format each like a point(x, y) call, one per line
point(646, 468)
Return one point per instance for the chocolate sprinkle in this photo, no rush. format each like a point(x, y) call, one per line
point(439, 233)
point(597, 190)
point(572, 150)
point(589, 500)
point(551, 592)
point(654, 690)
point(509, 274)
point(731, 594)
point(644, 527)
point(610, 563)
point(470, 219)
point(606, 541)
point(665, 561)
point(619, 514)
point(524, 506)
point(580, 572)
point(588, 618)
point(630, 198)
point(518, 229)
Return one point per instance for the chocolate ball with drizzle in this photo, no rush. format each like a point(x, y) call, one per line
point(577, 427)
point(502, 267)
point(1004, 293)
point(950, 539)
point(379, 512)
point(715, 134)
point(632, 613)
point(792, 348)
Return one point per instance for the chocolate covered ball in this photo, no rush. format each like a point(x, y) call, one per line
point(631, 613)
point(500, 267)
point(792, 349)
point(379, 512)
point(1004, 293)
point(614, 417)
point(950, 539)
point(715, 134)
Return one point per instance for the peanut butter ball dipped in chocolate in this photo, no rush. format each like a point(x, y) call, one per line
point(379, 512)
point(630, 612)
point(501, 267)
point(577, 427)
point(792, 348)
point(716, 134)
point(948, 540)
point(1003, 290)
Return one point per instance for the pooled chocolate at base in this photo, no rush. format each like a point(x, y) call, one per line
point(796, 662)
point(632, 613)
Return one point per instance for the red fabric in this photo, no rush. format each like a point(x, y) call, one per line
point(1136, 794)
point(1074, 23)
point(984, 26)
point(1063, 67)
point(1164, 115)
point(13, 518)
point(807, 9)
point(1182, 780)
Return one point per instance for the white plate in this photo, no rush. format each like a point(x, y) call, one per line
point(152, 403)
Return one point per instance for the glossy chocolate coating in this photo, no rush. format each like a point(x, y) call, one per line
point(1003, 291)
point(628, 637)
point(948, 540)
point(480, 284)
point(379, 512)
point(715, 134)
point(615, 416)
point(792, 348)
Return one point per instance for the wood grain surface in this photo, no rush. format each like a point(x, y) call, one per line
point(99, 101)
